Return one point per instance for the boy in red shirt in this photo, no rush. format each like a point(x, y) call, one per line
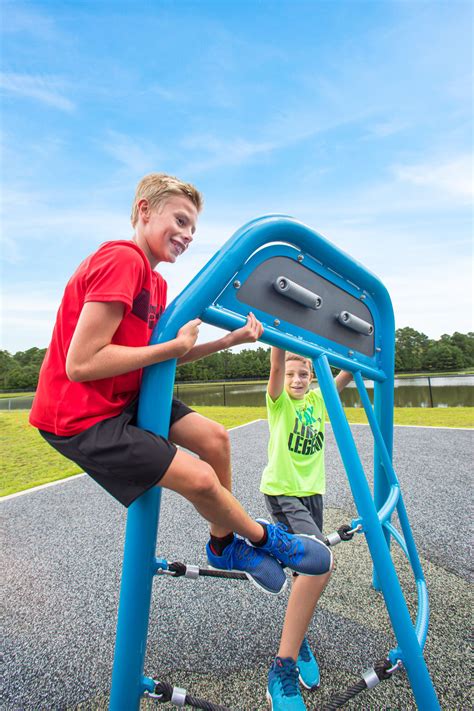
point(86, 401)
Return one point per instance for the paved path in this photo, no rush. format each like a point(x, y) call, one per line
point(61, 559)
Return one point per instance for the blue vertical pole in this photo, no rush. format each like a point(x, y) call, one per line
point(140, 553)
point(383, 409)
point(412, 653)
point(135, 599)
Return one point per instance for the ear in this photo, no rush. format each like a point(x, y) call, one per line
point(144, 209)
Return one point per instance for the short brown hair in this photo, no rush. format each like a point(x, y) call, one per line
point(295, 356)
point(158, 187)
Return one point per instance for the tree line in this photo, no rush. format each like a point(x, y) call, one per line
point(414, 352)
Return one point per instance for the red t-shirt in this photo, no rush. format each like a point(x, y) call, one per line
point(117, 271)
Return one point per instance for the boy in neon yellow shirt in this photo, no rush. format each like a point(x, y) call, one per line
point(294, 482)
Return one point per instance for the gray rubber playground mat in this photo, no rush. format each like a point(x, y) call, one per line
point(61, 563)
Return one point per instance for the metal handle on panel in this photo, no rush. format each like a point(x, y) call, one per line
point(286, 287)
point(355, 323)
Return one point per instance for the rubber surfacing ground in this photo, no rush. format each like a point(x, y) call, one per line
point(61, 561)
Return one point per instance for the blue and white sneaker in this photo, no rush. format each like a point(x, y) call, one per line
point(303, 554)
point(308, 667)
point(259, 567)
point(283, 690)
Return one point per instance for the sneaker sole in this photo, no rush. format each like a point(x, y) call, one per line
point(252, 580)
point(309, 688)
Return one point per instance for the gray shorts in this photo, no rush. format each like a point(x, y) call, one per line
point(301, 515)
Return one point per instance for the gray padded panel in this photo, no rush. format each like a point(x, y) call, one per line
point(258, 292)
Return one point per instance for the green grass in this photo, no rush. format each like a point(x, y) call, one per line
point(27, 460)
point(431, 374)
point(4, 396)
point(422, 416)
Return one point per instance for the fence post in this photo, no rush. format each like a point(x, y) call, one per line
point(431, 392)
point(225, 403)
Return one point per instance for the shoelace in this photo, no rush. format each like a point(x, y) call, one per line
point(288, 676)
point(283, 541)
point(242, 551)
point(305, 652)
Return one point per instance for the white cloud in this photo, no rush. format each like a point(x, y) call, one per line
point(31, 218)
point(27, 21)
point(138, 157)
point(45, 89)
point(389, 127)
point(433, 299)
point(28, 314)
point(454, 176)
point(286, 128)
point(217, 152)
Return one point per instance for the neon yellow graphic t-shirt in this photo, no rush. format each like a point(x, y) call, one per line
point(296, 448)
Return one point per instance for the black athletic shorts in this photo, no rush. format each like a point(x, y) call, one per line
point(123, 458)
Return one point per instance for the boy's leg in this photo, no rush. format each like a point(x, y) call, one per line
point(304, 597)
point(210, 441)
point(197, 482)
point(300, 515)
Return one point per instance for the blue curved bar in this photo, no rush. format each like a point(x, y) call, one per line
point(398, 537)
point(422, 617)
point(389, 506)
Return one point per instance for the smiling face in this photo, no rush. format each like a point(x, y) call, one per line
point(298, 376)
point(166, 231)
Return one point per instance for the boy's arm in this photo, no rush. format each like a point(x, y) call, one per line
point(249, 333)
point(342, 379)
point(276, 381)
point(92, 355)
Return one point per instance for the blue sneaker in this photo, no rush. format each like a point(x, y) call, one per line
point(303, 554)
point(259, 567)
point(283, 690)
point(308, 667)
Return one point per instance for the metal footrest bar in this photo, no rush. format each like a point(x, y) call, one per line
point(344, 533)
point(178, 570)
point(163, 692)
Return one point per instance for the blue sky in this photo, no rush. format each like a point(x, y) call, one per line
point(352, 116)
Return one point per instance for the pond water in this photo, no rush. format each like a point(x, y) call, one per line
point(442, 391)
point(450, 391)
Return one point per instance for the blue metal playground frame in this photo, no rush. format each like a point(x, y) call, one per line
point(211, 296)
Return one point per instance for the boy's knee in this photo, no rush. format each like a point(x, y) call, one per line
point(217, 442)
point(206, 482)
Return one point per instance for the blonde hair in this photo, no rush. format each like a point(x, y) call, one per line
point(295, 356)
point(158, 187)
